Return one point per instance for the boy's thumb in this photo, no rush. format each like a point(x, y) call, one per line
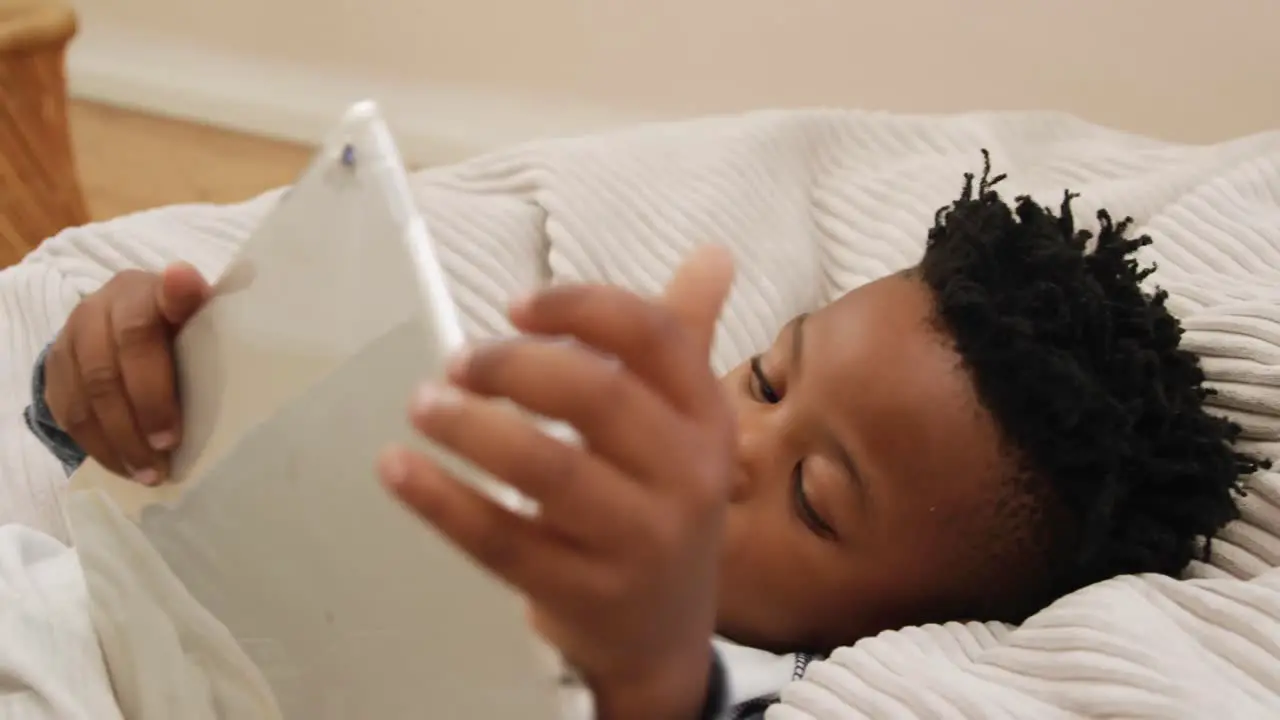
point(181, 292)
point(698, 292)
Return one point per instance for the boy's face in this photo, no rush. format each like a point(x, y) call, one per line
point(870, 479)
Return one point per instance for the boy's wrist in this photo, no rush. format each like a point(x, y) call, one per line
point(690, 689)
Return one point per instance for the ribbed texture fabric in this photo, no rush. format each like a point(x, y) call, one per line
point(813, 204)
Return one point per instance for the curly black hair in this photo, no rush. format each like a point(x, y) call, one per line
point(1082, 371)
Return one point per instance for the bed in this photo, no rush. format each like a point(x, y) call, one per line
point(814, 203)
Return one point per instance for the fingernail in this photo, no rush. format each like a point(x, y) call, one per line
point(458, 361)
point(433, 395)
point(146, 477)
point(163, 440)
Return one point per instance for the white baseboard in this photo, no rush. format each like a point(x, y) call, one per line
point(433, 124)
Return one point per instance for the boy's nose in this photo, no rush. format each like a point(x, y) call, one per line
point(751, 451)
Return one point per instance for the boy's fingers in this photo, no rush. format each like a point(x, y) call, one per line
point(93, 354)
point(564, 480)
point(616, 414)
point(698, 291)
point(510, 546)
point(647, 337)
point(144, 346)
point(70, 407)
point(180, 293)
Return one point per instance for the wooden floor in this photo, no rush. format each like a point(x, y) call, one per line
point(129, 162)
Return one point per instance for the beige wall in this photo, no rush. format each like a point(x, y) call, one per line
point(1186, 69)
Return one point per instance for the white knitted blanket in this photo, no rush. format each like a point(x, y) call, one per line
point(815, 203)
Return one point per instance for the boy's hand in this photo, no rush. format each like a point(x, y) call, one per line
point(620, 565)
point(109, 377)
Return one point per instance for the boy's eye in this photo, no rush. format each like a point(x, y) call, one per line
point(761, 388)
point(804, 508)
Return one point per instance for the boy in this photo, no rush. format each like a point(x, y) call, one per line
point(1007, 421)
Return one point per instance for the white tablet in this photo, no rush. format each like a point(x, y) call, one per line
point(275, 577)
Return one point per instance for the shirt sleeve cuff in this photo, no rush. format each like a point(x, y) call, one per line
point(40, 421)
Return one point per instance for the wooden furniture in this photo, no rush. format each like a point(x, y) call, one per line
point(39, 191)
